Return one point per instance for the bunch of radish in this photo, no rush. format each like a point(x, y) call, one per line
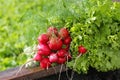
point(53, 47)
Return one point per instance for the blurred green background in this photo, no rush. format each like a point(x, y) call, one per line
point(21, 21)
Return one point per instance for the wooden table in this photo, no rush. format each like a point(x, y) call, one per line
point(29, 74)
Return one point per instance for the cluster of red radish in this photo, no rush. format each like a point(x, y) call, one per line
point(53, 47)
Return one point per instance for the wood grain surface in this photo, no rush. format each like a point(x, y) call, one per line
point(29, 74)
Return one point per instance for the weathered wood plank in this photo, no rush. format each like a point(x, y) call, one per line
point(29, 74)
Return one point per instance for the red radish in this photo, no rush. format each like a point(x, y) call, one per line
point(59, 44)
point(82, 49)
point(40, 52)
point(53, 57)
point(68, 56)
point(37, 57)
point(45, 63)
point(44, 53)
point(67, 40)
point(61, 60)
point(63, 33)
point(61, 53)
point(55, 43)
point(45, 50)
point(52, 30)
point(43, 38)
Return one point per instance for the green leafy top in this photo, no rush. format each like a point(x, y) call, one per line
point(97, 28)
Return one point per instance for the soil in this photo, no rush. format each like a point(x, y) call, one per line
point(92, 75)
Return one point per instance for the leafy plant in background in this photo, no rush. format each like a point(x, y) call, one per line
point(97, 27)
point(20, 24)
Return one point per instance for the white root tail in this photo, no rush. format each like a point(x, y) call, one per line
point(20, 69)
point(67, 71)
point(60, 72)
point(72, 74)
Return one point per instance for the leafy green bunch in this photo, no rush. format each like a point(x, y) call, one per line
point(96, 25)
